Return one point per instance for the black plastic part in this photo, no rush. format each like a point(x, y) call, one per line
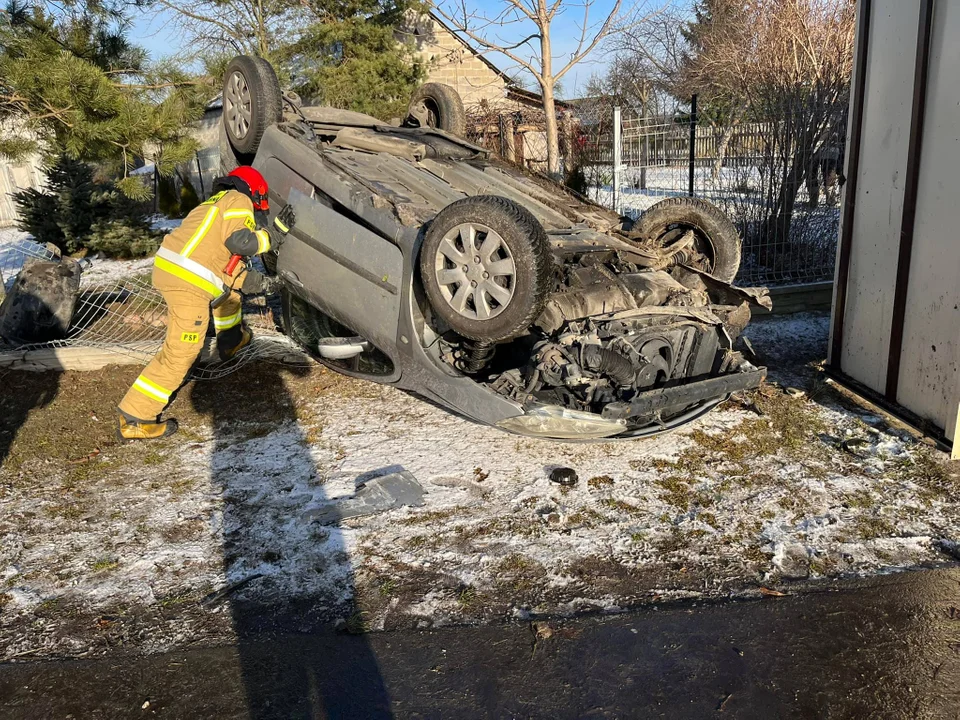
point(671, 398)
point(610, 363)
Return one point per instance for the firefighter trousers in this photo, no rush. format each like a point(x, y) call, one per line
point(188, 316)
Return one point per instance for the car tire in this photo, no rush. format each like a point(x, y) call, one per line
point(251, 102)
point(716, 236)
point(438, 106)
point(486, 266)
point(229, 160)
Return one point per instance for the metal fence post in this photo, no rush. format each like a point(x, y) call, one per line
point(617, 158)
point(645, 151)
point(693, 140)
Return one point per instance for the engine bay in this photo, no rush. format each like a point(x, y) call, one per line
point(612, 331)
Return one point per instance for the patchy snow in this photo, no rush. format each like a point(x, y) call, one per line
point(163, 223)
point(689, 514)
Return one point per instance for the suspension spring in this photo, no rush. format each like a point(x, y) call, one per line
point(476, 355)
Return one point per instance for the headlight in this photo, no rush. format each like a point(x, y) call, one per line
point(553, 421)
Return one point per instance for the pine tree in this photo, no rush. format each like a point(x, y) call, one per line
point(356, 63)
point(342, 53)
point(77, 213)
point(71, 82)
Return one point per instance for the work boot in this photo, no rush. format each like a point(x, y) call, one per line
point(230, 342)
point(129, 428)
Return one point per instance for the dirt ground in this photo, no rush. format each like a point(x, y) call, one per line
point(209, 534)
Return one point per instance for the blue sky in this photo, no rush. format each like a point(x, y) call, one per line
point(161, 41)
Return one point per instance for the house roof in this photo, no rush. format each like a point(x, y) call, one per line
point(516, 92)
point(509, 81)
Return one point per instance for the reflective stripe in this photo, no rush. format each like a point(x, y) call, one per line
point(263, 241)
point(283, 228)
point(152, 390)
point(189, 270)
point(225, 323)
point(230, 214)
point(200, 233)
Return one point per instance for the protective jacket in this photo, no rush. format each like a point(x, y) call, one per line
point(197, 251)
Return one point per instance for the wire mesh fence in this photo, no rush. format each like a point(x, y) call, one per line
point(127, 316)
point(777, 178)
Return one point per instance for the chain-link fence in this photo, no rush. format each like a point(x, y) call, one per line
point(777, 178)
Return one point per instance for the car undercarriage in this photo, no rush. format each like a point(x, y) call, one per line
point(420, 260)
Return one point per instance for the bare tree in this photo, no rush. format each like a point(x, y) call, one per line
point(249, 27)
point(784, 61)
point(532, 22)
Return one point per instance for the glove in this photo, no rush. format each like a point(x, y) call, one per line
point(256, 283)
point(284, 220)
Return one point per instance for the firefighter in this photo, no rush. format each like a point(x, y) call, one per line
point(190, 271)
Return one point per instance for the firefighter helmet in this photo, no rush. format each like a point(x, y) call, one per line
point(256, 183)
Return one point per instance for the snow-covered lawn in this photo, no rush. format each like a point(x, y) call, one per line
point(757, 493)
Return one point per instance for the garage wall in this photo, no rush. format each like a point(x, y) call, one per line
point(882, 316)
point(929, 382)
point(888, 98)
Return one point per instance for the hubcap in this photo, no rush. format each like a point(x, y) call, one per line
point(238, 106)
point(476, 272)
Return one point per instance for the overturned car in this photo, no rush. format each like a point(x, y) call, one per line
point(418, 260)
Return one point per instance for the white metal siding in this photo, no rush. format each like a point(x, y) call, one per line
point(880, 190)
point(930, 364)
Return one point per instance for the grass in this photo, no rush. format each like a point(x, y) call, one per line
point(153, 458)
point(387, 587)
point(930, 475)
point(622, 506)
point(431, 516)
point(357, 623)
point(586, 517)
point(468, 597)
point(178, 598)
point(789, 428)
point(873, 527)
point(104, 564)
point(600, 481)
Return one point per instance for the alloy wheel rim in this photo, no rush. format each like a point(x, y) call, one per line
point(239, 105)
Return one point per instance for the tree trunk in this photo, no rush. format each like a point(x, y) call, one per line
point(725, 139)
point(547, 82)
point(781, 218)
point(553, 138)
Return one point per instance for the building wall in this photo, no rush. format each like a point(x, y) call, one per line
point(930, 363)
point(28, 174)
point(450, 62)
point(879, 202)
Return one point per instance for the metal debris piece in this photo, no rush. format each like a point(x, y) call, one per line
point(398, 489)
point(217, 596)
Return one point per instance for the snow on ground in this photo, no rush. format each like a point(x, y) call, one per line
point(809, 488)
point(17, 246)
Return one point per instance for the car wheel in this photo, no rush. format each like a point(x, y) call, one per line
point(485, 266)
point(438, 106)
point(715, 236)
point(251, 101)
point(229, 160)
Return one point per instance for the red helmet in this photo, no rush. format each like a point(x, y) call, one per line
point(256, 183)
